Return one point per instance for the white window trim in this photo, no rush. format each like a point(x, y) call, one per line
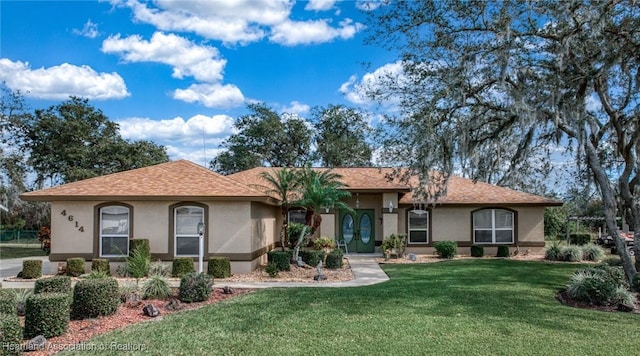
point(493, 228)
point(409, 229)
point(175, 229)
point(114, 235)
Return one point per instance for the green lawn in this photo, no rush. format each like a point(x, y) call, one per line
point(464, 307)
point(18, 251)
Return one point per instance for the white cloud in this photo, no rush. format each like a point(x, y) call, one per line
point(320, 5)
point(60, 82)
point(90, 30)
point(211, 95)
point(292, 33)
point(368, 5)
point(297, 108)
point(188, 59)
point(356, 90)
point(188, 139)
point(240, 21)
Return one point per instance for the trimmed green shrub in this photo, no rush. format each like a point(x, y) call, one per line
point(31, 269)
point(592, 252)
point(553, 252)
point(156, 287)
point(195, 287)
point(219, 267)
point(281, 259)
point(7, 302)
point(571, 253)
point(101, 265)
point(46, 314)
point(477, 250)
point(139, 259)
point(95, 297)
point(446, 249)
point(334, 259)
point(135, 244)
point(311, 257)
point(182, 266)
point(579, 238)
point(158, 268)
point(75, 266)
point(503, 251)
point(272, 269)
point(55, 284)
point(616, 274)
point(11, 334)
point(397, 242)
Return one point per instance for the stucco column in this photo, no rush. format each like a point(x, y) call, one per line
point(328, 225)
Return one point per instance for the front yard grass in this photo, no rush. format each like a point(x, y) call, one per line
point(475, 307)
point(19, 251)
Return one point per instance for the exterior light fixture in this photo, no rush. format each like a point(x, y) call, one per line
point(390, 206)
point(201, 245)
point(326, 209)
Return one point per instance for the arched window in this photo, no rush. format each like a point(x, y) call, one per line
point(418, 226)
point(493, 226)
point(114, 230)
point(186, 220)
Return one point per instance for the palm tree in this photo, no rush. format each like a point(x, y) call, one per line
point(283, 184)
point(320, 190)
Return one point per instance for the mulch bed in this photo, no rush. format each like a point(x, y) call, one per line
point(127, 314)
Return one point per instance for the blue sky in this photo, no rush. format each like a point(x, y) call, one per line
point(167, 71)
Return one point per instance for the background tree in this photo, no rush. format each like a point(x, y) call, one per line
point(494, 85)
point(73, 141)
point(341, 136)
point(265, 138)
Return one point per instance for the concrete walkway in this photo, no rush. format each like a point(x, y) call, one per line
point(364, 267)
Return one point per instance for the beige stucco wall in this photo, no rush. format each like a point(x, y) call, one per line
point(229, 227)
point(328, 225)
point(65, 236)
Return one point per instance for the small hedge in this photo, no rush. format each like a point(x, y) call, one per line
point(446, 249)
point(182, 266)
point(46, 314)
point(101, 265)
point(7, 302)
point(477, 251)
point(11, 334)
point(195, 287)
point(31, 269)
point(75, 266)
point(312, 257)
point(95, 297)
point(334, 259)
point(281, 259)
point(219, 267)
point(579, 238)
point(55, 284)
point(503, 251)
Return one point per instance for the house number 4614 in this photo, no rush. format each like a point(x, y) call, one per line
point(70, 218)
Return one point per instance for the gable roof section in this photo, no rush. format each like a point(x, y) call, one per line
point(461, 191)
point(173, 180)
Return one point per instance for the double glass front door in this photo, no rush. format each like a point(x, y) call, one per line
point(357, 230)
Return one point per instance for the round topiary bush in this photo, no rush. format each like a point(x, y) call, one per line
point(477, 251)
point(7, 302)
point(31, 269)
point(334, 259)
point(46, 314)
point(75, 266)
point(100, 265)
point(195, 287)
point(182, 266)
point(503, 251)
point(95, 297)
point(272, 269)
point(11, 334)
point(446, 249)
point(311, 257)
point(55, 284)
point(282, 259)
point(219, 267)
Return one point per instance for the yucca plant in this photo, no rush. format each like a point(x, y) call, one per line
point(138, 262)
point(20, 299)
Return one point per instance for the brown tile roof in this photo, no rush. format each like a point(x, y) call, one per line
point(461, 191)
point(178, 179)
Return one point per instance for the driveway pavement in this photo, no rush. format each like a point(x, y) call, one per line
point(364, 267)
